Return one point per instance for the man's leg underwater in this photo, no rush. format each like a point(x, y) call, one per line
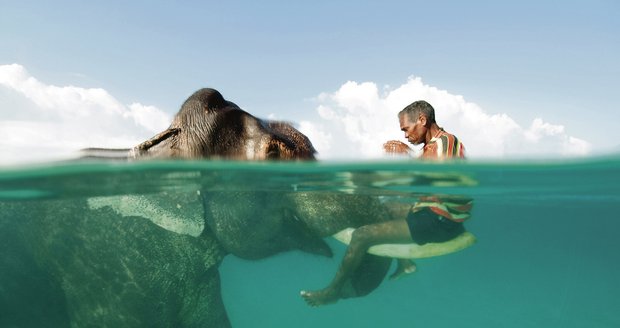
point(390, 232)
point(403, 267)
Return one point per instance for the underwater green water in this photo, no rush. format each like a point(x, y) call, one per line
point(547, 251)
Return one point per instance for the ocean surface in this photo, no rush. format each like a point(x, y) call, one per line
point(547, 251)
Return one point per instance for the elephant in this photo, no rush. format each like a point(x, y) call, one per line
point(247, 224)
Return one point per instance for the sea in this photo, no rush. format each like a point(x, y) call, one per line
point(547, 252)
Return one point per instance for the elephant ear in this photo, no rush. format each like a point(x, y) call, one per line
point(368, 276)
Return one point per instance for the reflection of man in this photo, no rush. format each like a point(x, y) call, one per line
point(432, 220)
point(418, 122)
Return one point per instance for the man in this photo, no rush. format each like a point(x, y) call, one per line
point(433, 219)
point(418, 122)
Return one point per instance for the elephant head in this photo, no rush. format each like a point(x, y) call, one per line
point(208, 126)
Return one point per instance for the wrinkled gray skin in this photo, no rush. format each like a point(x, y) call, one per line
point(251, 225)
point(208, 126)
point(255, 225)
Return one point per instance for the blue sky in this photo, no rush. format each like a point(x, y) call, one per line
point(512, 79)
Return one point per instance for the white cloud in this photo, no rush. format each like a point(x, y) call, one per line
point(40, 121)
point(355, 120)
point(149, 117)
point(317, 134)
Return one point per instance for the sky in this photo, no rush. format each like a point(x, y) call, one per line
point(512, 79)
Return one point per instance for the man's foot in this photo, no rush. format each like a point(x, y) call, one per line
point(403, 268)
point(320, 297)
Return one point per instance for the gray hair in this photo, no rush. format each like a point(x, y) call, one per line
point(416, 108)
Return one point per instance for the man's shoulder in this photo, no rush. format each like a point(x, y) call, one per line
point(446, 135)
point(451, 146)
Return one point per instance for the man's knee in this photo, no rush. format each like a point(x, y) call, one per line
point(361, 237)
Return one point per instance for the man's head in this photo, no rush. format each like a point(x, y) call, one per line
point(415, 120)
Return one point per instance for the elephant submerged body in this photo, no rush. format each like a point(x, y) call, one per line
point(255, 225)
point(270, 223)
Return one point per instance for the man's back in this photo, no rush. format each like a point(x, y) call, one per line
point(442, 146)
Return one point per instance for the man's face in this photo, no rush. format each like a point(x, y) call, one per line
point(415, 132)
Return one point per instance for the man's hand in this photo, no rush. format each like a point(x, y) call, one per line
point(395, 147)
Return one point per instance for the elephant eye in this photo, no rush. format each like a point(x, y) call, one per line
point(273, 153)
